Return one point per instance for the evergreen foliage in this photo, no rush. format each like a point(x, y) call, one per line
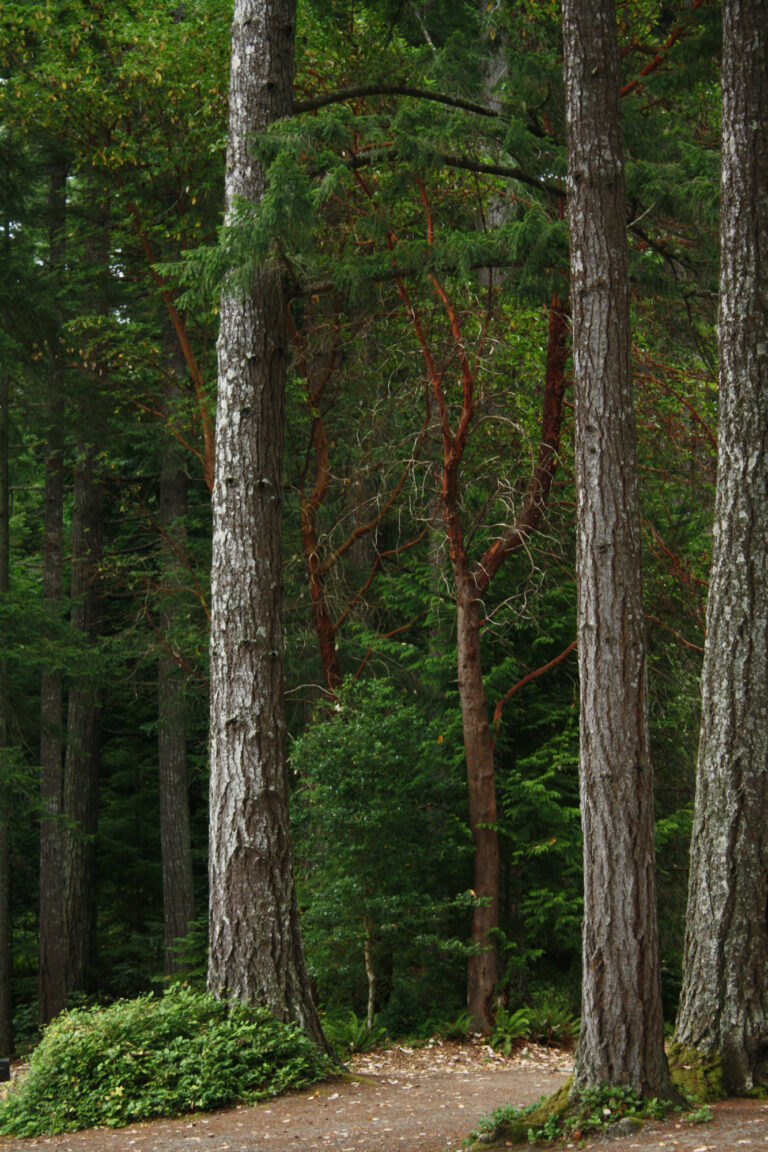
point(134, 99)
point(183, 1052)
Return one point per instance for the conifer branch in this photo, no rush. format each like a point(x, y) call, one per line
point(359, 90)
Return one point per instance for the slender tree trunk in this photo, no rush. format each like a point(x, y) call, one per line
point(321, 615)
point(256, 951)
point(471, 585)
point(370, 972)
point(724, 1004)
point(51, 965)
point(482, 970)
point(6, 965)
point(175, 834)
point(81, 767)
point(622, 1033)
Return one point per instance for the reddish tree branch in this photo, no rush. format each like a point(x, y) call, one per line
point(541, 481)
point(677, 33)
point(182, 335)
point(527, 680)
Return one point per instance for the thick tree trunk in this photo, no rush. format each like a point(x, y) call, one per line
point(81, 766)
point(482, 970)
point(622, 1034)
point(175, 834)
point(51, 965)
point(6, 967)
point(724, 1003)
point(256, 951)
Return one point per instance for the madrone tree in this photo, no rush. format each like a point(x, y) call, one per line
point(255, 942)
point(724, 1005)
point(622, 1034)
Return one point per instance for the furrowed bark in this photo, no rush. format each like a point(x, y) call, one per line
point(724, 1004)
point(622, 1035)
point(255, 941)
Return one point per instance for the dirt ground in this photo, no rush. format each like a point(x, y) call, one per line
point(404, 1100)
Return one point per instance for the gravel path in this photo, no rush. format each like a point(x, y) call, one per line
point(404, 1100)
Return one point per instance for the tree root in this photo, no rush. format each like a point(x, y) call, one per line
point(515, 1128)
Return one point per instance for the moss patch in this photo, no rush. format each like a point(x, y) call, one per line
point(698, 1075)
point(512, 1125)
point(570, 1116)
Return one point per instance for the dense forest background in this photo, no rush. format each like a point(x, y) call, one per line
point(426, 248)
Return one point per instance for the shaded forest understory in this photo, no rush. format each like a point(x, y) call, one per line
point(415, 218)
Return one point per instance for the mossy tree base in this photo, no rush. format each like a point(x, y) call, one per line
point(699, 1074)
point(570, 1115)
point(515, 1130)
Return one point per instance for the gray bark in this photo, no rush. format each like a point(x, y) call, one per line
point(255, 941)
point(724, 1003)
point(622, 1036)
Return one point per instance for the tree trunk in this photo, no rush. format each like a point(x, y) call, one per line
point(81, 766)
point(370, 972)
point(256, 951)
point(482, 970)
point(6, 963)
point(51, 964)
point(175, 834)
point(471, 585)
point(724, 1003)
point(622, 1033)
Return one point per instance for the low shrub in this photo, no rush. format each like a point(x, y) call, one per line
point(509, 1029)
point(346, 1033)
point(568, 1117)
point(182, 1052)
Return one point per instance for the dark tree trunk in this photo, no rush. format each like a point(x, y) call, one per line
point(81, 766)
point(622, 1033)
point(724, 1004)
point(471, 585)
point(175, 835)
point(51, 968)
point(6, 968)
point(256, 951)
point(482, 969)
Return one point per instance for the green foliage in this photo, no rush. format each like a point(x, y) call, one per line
point(152, 1057)
point(547, 1019)
point(509, 1028)
point(702, 1115)
point(346, 1033)
point(456, 1029)
point(377, 850)
point(552, 1022)
point(566, 1116)
point(595, 1109)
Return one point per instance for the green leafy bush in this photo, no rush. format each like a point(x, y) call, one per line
point(570, 1117)
point(381, 854)
point(148, 1057)
point(553, 1023)
point(509, 1028)
point(347, 1033)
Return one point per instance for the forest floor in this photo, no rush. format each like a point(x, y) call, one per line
point(405, 1100)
